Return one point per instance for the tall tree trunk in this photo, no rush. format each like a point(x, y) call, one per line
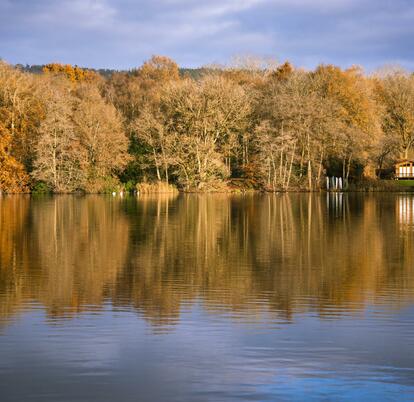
point(291, 165)
point(348, 166)
point(302, 157)
point(268, 172)
point(274, 172)
point(310, 174)
point(281, 164)
point(156, 165)
point(320, 166)
point(309, 162)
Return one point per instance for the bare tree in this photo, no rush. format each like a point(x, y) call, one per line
point(204, 120)
point(98, 129)
point(59, 156)
point(396, 93)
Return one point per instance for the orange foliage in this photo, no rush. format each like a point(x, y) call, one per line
point(350, 88)
point(283, 72)
point(73, 73)
point(13, 177)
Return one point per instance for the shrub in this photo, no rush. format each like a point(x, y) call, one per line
point(41, 188)
point(157, 187)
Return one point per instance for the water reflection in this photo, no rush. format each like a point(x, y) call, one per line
point(405, 211)
point(247, 256)
point(335, 203)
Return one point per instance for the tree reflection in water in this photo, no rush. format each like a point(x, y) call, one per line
point(244, 255)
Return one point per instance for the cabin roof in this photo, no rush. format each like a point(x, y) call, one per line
point(404, 161)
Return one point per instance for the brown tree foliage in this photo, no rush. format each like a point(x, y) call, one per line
point(98, 129)
point(254, 123)
point(195, 129)
point(13, 177)
point(21, 110)
point(59, 156)
point(356, 110)
point(396, 93)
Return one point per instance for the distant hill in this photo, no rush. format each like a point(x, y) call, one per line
point(38, 69)
point(195, 73)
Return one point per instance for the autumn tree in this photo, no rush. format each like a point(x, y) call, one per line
point(73, 73)
point(283, 72)
point(159, 69)
point(358, 125)
point(132, 90)
point(124, 92)
point(202, 121)
point(293, 131)
point(136, 95)
point(21, 110)
point(82, 144)
point(396, 93)
point(59, 156)
point(254, 119)
point(98, 129)
point(13, 177)
point(151, 130)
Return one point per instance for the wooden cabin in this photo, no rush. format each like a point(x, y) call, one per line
point(404, 169)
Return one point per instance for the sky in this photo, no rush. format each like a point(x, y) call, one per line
point(121, 34)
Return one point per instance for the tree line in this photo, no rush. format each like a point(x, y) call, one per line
point(257, 125)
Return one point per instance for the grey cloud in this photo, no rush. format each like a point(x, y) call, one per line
point(123, 33)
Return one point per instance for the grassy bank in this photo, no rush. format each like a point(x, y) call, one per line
point(371, 185)
point(237, 186)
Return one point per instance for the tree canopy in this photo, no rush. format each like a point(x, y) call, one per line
point(255, 124)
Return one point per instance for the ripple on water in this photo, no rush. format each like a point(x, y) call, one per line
point(199, 298)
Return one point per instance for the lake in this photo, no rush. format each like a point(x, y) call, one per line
point(207, 297)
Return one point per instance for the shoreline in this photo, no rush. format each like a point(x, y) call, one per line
point(251, 192)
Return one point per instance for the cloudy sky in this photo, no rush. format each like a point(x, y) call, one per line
point(123, 33)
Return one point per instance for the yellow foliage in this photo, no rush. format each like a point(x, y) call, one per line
point(352, 91)
point(73, 73)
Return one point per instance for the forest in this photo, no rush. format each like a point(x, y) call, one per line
point(254, 125)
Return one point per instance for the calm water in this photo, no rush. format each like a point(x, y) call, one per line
point(207, 298)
